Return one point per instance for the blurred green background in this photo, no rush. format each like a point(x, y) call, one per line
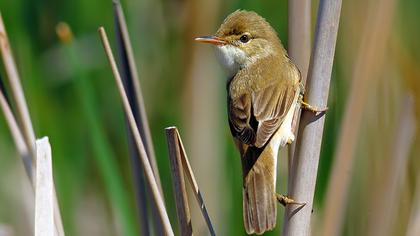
point(73, 100)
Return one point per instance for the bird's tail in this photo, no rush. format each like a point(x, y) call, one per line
point(259, 192)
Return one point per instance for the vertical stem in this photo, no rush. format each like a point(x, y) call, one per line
point(299, 49)
point(178, 182)
point(16, 135)
point(305, 162)
point(17, 91)
point(138, 101)
point(139, 143)
point(299, 42)
point(24, 117)
point(131, 82)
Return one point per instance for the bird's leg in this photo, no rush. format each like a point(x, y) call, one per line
point(284, 200)
point(311, 108)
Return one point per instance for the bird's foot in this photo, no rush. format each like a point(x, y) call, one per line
point(284, 200)
point(311, 108)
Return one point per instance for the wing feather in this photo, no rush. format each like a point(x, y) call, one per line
point(274, 110)
point(254, 116)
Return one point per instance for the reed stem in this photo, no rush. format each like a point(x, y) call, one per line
point(139, 143)
point(178, 182)
point(297, 220)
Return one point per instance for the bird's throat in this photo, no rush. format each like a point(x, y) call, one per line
point(231, 58)
point(234, 58)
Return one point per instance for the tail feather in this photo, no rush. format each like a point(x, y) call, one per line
point(259, 201)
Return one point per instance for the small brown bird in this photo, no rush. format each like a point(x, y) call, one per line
point(263, 91)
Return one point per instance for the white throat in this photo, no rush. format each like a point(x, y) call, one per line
point(231, 58)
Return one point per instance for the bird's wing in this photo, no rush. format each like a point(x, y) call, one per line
point(271, 105)
point(255, 117)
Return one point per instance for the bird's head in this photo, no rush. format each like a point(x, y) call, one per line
point(243, 38)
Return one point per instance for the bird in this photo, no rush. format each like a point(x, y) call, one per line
point(263, 90)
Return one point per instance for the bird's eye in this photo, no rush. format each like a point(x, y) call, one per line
point(244, 38)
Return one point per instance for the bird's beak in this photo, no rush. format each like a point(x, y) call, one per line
point(211, 39)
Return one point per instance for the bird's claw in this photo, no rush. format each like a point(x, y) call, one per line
point(284, 200)
point(311, 108)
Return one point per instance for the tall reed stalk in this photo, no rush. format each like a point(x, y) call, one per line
point(130, 77)
point(157, 197)
point(305, 162)
point(299, 50)
point(21, 123)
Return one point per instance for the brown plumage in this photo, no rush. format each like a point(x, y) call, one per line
point(263, 90)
